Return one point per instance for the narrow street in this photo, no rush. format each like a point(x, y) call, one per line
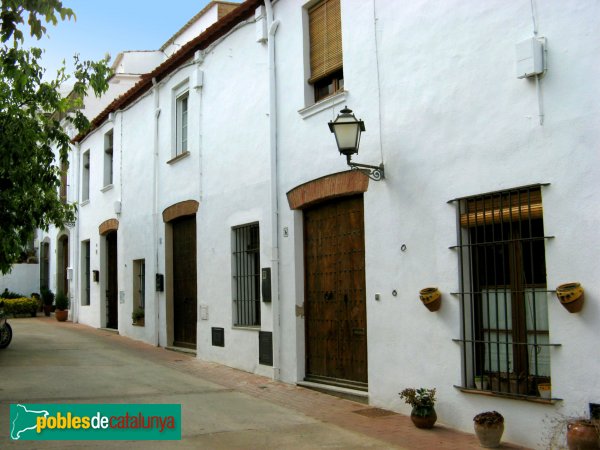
point(222, 408)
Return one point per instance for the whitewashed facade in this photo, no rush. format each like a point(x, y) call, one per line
point(437, 88)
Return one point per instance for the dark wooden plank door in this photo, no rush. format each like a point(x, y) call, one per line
point(112, 281)
point(184, 282)
point(335, 301)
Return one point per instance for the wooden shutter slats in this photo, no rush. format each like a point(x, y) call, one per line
point(520, 205)
point(325, 32)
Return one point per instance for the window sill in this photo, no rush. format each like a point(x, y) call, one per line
point(108, 187)
point(247, 328)
point(322, 105)
point(543, 401)
point(178, 157)
point(85, 202)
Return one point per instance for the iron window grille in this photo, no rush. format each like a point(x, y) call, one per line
point(139, 284)
point(246, 275)
point(504, 299)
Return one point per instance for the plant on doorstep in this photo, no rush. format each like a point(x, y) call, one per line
point(137, 316)
point(62, 306)
point(422, 401)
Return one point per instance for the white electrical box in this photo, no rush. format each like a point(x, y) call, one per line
point(203, 312)
point(260, 16)
point(530, 57)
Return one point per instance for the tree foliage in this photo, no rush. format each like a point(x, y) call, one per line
point(33, 141)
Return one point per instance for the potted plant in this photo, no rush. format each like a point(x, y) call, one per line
point(489, 427)
point(583, 434)
point(422, 400)
point(137, 316)
point(48, 300)
point(482, 382)
point(62, 306)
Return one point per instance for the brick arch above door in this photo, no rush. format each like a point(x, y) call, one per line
point(108, 226)
point(339, 184)
point(181, 209)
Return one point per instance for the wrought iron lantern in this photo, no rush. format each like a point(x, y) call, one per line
point(347, 130)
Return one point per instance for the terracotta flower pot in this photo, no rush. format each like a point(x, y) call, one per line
point(570, 296)
point(421, 420)
point(61, 315)
point(582, 435)
point(489, 435)
point(431, 298)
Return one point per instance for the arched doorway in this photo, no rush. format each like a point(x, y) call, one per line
point(181, 268)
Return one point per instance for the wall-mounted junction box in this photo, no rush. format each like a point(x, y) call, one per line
point(530, 57)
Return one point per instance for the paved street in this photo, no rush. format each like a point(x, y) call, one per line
point(222, 408)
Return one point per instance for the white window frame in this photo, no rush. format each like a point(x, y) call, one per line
point(181, 120)
point(85, 176)
point(109, 158)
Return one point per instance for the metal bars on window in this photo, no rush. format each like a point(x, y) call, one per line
point(246, 275)
point(502, 275)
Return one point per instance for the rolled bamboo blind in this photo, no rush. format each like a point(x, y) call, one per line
point(325, 31)
point(505, 207)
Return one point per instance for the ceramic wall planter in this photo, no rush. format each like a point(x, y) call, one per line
point(582, 435)
point(570, 296)
point(431, 298)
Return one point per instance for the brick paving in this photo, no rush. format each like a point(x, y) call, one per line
point(393, 428)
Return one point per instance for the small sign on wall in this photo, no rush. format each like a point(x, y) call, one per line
point(121, 296)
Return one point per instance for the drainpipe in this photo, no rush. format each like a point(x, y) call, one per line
point(272, 27)
point(77, 244)
point(155, 208)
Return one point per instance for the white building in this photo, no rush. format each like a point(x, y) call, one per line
point(485, 118)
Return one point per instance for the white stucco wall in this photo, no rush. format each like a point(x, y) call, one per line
point(93, 212)
point(23, 279)
point(455, 121)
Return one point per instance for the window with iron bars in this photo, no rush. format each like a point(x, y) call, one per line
point(503, 293)
point(246, 275)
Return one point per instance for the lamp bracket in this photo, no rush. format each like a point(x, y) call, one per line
point(375, 173)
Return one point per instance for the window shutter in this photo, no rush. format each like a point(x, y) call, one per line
point(325, 31)
point(507, 207)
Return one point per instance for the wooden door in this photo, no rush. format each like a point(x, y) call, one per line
point(335, 302)
point(184, 282)
point(112, 281)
